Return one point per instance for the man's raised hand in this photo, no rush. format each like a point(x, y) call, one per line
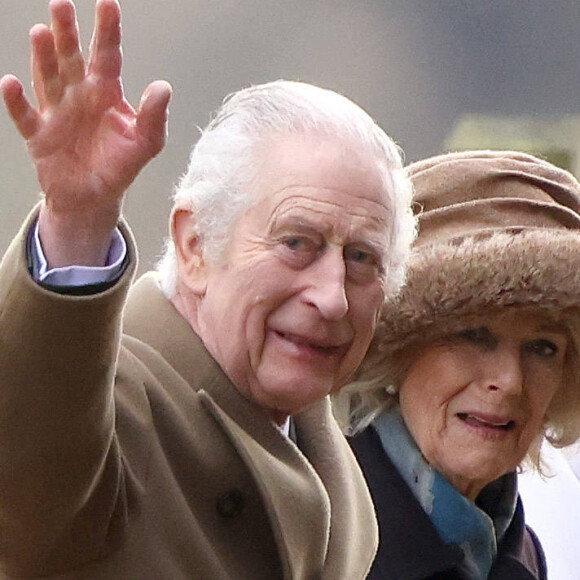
point(85, 140)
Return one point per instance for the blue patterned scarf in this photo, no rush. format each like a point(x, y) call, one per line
point(476, 527)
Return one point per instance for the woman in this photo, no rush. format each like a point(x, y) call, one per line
point(473, 365)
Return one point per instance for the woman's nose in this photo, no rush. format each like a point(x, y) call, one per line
point(504, 371)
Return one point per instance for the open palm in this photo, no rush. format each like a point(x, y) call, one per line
point(86, 141)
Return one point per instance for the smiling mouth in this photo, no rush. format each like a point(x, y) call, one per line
point(327, 350)
point(477, 421)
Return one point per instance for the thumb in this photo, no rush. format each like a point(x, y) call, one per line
point(152, 115)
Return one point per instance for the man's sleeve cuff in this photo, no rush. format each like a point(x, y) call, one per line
point(77, 276)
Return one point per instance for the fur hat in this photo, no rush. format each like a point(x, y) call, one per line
point(496, 229)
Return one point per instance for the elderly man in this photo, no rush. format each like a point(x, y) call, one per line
point(182, 429)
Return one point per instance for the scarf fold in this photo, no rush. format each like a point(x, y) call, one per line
point(477, 527)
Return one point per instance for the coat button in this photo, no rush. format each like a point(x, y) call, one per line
point(230, 504)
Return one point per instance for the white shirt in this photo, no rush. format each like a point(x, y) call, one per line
point(79, 275)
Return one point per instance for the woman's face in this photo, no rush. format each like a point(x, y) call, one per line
point(475, 400)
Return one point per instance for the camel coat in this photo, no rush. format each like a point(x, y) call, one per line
point(127, 454)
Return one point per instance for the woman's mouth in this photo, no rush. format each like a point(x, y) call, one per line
point(487, 421)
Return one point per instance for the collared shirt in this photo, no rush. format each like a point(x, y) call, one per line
point(77, 275)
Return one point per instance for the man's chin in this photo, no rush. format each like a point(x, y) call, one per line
point(289, 399)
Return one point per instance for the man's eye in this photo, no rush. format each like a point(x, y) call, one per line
point(362, 265)
point(300, 244)
point(294, 243)
point(542, 347)
point(299, 251)
point(360, 256)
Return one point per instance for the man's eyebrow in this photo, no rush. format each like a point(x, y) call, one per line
point(297, 222)
point(376, 247)
point(370, 238)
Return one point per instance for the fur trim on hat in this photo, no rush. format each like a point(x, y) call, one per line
point(497, 229)
point(449, 284)
point(478, 275)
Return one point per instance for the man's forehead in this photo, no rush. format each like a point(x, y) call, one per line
point(295, 200)
point(300, 160)
point(356, 223)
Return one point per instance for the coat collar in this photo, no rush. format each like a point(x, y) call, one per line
point(309, 472)
point(410, 548)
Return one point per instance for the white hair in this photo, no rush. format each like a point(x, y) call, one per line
point(222, 167)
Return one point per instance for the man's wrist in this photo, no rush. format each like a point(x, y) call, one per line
point(74, 276)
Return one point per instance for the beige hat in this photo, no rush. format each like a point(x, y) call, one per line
point(496, 229)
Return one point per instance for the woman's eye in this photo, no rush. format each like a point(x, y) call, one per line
point(476, 335)
point(479, 337)
point(542, 347)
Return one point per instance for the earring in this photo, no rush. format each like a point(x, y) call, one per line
point(391, 390)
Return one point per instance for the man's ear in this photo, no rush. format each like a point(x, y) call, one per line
point(191, 266)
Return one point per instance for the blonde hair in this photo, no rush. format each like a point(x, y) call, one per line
point(360, 402)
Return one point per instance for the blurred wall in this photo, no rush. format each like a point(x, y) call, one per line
point(415, 65)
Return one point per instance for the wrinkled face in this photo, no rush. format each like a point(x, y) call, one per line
point(474, 401)
point(290, 311)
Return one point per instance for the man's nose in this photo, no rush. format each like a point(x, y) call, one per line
point(326, 285)
point(504, 371)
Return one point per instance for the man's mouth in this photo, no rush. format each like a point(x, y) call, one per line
point(320, 346)
point(487, 421)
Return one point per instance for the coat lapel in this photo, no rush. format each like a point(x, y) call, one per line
point(294, 495)
point(353, 521)
point(411, 548)
point(518, 556)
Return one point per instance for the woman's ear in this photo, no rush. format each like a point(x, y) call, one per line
point(191, 266)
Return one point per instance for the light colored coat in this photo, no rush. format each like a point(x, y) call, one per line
point(126, 453)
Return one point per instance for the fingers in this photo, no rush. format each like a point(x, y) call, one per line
point(152, 114)
point(24, 116)
point(66, 39)
point(56, 53)
point(105, 53)
point(45, 78)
